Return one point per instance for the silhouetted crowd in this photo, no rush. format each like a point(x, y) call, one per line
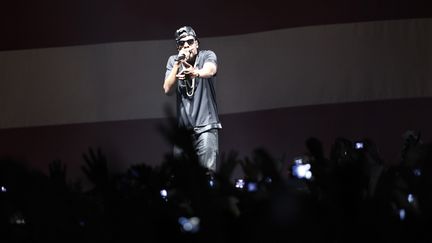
point(351, 195)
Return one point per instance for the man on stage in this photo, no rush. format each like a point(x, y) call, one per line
point(192, 74)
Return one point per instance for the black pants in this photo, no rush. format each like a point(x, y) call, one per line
point(206, 145)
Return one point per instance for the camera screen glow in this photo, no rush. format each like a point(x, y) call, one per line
point(163, 193)
point(240, 183)
point(302, 171)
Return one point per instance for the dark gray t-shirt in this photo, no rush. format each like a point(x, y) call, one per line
point(197, 107)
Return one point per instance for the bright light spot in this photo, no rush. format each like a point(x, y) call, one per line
point(3, 189)
point(240, 183)
point(164, 193)
point(410, 198)
point(402, 214)
point(195, 220)
point(252, 186)
point(302, 171)
point(308, 175)
point(189, 225)
point(211, 183)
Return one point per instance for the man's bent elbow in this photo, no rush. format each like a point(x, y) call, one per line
point(167, 90)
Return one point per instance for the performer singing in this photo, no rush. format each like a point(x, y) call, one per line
point(192, 73)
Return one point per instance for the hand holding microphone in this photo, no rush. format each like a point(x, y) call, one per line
point(180, 57)
point(184, 54)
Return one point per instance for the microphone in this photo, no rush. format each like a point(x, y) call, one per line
point(180, 57)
